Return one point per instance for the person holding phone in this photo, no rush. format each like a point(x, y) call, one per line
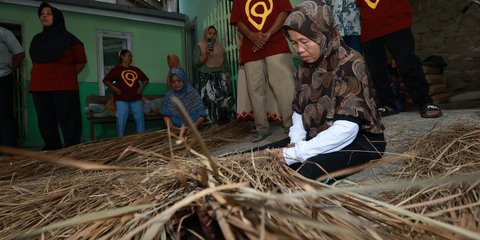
point(213, 81)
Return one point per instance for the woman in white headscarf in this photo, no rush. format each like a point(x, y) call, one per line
point(213, 81)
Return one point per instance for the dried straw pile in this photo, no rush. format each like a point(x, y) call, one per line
point(452, 151)
point(143, 188)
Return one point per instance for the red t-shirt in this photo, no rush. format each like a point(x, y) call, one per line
point(59, 75)
point(248, 15)
point(385, 17)
point(127, 79)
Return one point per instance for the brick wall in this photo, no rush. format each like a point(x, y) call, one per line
point(441, 29)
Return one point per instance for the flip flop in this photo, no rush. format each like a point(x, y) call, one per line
point(387, 111)
point(430, 111)
point(260, 136)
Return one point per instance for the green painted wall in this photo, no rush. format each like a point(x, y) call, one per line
point(151, 43)
point(295, 2)
point(197, 8)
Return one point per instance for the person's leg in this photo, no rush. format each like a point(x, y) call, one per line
point(137, 111)
point(8, 123)
point(47, 120)
point(402, 47)
point(377, 63)
point(67, 104)
point(281, 80)
point(353, 41)
point(256, 83)
point(223, 98)
point(122, 117)
point(206, 94)
point(361, 150)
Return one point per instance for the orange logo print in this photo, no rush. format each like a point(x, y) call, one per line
point(371, 4)
point(252, 11)
point(129, 77)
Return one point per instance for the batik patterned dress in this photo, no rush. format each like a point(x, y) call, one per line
point(213, 84)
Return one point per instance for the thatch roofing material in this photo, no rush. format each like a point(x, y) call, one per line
point(433, 195)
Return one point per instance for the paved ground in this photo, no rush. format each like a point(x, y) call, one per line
point(400, 129)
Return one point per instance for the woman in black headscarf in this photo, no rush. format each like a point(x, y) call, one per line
point(57, 57)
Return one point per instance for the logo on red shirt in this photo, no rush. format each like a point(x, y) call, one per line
point(251, 11)
point(371, 4)
point(129, 77)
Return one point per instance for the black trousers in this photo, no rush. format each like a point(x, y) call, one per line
point(364, 148)
point(401, 46)
point(8, 122)
point(58, 108)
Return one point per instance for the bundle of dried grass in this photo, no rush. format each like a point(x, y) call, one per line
point(144, 187)
point(442, 153)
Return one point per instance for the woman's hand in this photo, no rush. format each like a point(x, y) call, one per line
point(204, 57)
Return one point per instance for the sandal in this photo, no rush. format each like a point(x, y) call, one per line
point(387, 111)
point(260, 136)
point(430, 111)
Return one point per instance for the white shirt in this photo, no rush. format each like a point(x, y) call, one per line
point(335, 138)
point(9, 47)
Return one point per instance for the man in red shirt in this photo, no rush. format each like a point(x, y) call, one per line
point(387, 24)
point(266, 57)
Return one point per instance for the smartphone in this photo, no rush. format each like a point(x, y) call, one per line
point(210, 42)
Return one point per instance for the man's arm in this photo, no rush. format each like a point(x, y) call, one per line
point(79, 67)
point(80, 57)
point(17, 60)
point(277, 25)
point(255, 37)
point(259, 39)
